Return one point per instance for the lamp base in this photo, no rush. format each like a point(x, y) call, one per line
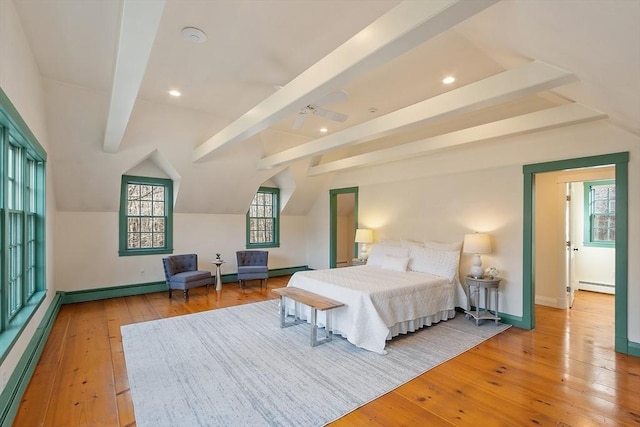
point(476, 267)
point(364, 253)
point(477, 272)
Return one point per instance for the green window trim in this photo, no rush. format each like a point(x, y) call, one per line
point(162, 241)
point(264, 213)
point(589, 215)
point(22, 225)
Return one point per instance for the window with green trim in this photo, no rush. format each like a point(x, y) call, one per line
point(600, 213)
point(22, 221)
point(146, 215)
point(263, 219)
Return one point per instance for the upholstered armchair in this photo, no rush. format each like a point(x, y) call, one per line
point(252, 265)
point(181, 272)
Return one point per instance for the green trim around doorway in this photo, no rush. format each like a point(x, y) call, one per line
point(620, 161)
point(333, 221)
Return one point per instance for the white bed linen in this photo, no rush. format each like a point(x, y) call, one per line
point(379, 303)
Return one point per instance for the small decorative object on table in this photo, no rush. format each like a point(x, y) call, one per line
point(218, 257)
point(492, 273)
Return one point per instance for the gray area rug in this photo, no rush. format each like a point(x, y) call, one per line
point(236, 367)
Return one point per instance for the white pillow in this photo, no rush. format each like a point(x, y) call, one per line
point(406, 243)
point(379, 251)
point(395, 263)
point(436, 262)
point(455, 246)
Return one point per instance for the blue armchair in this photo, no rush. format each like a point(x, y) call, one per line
point(252, 265)
point(181, 272)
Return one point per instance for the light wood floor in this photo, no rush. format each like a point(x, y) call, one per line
point(564, 373)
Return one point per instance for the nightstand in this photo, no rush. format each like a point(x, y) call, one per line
point(358, 261)
point(489, 286)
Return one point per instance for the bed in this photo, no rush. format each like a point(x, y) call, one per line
point(401, 289)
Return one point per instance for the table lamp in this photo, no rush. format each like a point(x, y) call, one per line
point(363, 236)
point(476, 244)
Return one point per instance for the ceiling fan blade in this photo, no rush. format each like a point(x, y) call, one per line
point(297, 124)
point(333, 97)
point(331, 115)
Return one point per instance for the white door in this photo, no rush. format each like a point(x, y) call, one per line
point(571, 249)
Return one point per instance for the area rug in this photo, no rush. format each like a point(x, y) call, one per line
point(236, 367)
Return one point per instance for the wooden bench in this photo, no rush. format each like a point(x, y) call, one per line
point(315, 302)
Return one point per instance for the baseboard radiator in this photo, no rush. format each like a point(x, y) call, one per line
point(604, 285)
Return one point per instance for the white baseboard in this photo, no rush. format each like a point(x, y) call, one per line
point(550, 302)
point(594, 287)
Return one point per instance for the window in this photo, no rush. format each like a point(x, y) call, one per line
point(22, 221)
point(263, 219)
point(146, 216)
point(600, 213)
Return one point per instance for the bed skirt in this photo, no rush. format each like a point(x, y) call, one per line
point(415, 324)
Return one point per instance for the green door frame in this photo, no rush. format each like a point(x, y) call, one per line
point(620, 161)
point(333, 221)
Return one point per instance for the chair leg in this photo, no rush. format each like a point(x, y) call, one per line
point(169, 292)
point(186, 294)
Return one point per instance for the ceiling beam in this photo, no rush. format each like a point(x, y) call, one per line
point(527, 79)
point(138, 28)
point(404, 27)
point(533, 122)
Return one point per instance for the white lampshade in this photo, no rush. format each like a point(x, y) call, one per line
point(476, 244)
point(363, 236)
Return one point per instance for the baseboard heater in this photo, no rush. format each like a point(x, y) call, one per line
point(606, 285)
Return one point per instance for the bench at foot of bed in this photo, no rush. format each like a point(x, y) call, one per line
point(315, 302)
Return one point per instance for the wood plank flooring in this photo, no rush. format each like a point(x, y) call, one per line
point(564, 373)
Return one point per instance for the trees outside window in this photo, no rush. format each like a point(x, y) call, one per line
point(600, 213)
point(146, 215)
point(263, 219)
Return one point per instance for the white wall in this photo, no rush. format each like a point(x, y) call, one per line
point(480, 188)
point(549, 252)
point(87, 248)
point(593, 264)
point(22, 84)
point(444, 208)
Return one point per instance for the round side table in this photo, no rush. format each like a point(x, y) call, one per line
point(488, 285)
point(218, 263)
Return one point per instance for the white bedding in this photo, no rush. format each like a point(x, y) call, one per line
point(379, 303)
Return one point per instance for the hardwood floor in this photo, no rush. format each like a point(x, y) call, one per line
point(564, 373)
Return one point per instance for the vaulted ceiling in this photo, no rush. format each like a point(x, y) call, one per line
point(252, 105)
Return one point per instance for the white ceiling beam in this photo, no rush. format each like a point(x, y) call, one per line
point(527, 79)
point(139, 25)
point(404, 27)
point(564, 115)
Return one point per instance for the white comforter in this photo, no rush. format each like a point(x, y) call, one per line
point(376, 300)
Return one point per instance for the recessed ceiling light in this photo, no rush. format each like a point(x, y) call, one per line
point(194, 35)
point(448, 80)
point(174, 92)
point(324, 130)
